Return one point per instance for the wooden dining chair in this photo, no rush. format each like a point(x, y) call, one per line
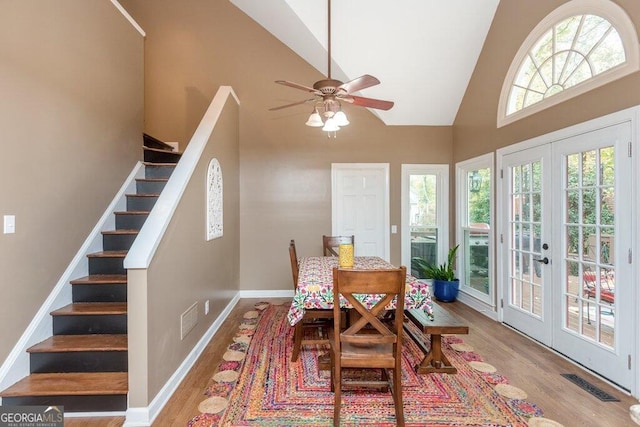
point(318, 320)
point(370, 341)
point(330, 243)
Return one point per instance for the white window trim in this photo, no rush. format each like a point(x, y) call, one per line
point(442, 194)
point(482, 301)
point(606, 9)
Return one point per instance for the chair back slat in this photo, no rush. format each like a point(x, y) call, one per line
point(354, 281)
point(330, 243)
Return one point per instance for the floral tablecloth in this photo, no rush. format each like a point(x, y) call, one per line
point(315, 286)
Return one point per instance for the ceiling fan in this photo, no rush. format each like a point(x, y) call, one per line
point(328, 94)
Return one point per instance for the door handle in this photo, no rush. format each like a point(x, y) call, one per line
point(544, 260)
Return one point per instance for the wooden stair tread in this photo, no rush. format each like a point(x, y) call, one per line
point(73, 343)
point(132, 212)
point(143, 195)
point(160, 150)
point(121, 231)
point(159, 164)
point(101, 279)
point(70, 384)
point(91, 309)
point(152, 179)
point(108, 254)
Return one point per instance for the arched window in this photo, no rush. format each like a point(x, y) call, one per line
point(579, 46)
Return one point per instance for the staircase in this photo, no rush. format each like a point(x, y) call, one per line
point(83, 365)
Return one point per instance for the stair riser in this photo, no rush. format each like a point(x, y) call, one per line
point(141, 203)
point(156, 157)
point(84, 324)
point(150, 187)
point(130, 222)
point(99, 293)
point(76, 361)
point(152, 142)
point(107, 403)
point(117, 242)
point(106, 265)
point(155, 172)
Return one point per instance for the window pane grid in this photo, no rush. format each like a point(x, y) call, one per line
point(526, 231)
point(570, 52)
point(589, 287)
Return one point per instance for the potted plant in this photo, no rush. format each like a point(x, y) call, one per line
point(445, 284)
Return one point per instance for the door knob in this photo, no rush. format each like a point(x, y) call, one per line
point(544, 260)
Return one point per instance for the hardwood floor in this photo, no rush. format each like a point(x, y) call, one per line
point(528, 366)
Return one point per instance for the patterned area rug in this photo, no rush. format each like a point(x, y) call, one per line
point(258, 385)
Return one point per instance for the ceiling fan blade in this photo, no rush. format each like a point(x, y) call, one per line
point(291, 105)
point(359, 83)
point(368, 102)
point(299, 86)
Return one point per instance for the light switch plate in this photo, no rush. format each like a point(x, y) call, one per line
point(9, 224)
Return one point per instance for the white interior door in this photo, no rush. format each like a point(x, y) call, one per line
point(592, 262)
point(360, 206)
point(526, 236)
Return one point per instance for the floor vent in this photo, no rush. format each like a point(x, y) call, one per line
point(592, 389)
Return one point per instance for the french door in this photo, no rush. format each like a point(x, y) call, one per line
point(566, 248)
point(592, 235)
point(526, 237)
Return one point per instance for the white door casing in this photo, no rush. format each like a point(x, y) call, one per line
point(439, 225)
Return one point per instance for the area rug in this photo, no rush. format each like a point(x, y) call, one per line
point(258, 385)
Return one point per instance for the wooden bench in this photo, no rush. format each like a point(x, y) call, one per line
point(444, 322)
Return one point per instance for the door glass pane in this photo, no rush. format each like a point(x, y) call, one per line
point(423, 225)
point(525, 243)
point(589, 286)
point(476, 245)
point(475, 242)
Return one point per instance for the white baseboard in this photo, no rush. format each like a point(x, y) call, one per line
point(478, 306)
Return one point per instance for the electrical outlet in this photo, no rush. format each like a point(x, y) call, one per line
point(206, 307)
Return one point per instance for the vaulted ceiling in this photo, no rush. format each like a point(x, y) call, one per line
point(422, 51)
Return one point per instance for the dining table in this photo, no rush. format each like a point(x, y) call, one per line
point(315, 287)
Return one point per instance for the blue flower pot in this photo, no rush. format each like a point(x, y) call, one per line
point(446, 291)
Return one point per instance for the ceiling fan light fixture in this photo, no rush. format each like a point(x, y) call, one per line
point(315, 120)
point(330, 125)
point(328, 93)
point(341, 118)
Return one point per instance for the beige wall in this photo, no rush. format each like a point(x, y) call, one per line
point(71, 117)
point(475, 129)
point(194, 46)
point(186, 268)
